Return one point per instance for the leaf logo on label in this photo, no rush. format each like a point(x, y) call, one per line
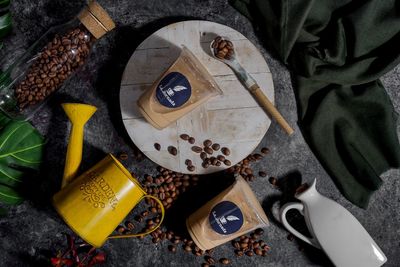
point(226, 218)
point(173, 90)
point(179, 88)
point(232, 218)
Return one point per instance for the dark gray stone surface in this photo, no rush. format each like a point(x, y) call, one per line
point(31, 230)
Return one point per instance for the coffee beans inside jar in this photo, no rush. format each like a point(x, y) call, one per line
point(58, 60)
point(49, 62)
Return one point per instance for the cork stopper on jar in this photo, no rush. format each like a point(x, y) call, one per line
point(96, 19)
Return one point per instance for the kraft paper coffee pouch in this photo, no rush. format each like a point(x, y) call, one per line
point(184, 86)
point(234, 212)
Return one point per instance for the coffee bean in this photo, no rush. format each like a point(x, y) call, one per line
point(208, 150)
point(259, 231)
point(262, 174)
point(209, 259)
point(155, 240)
point(239, 253)
point(220, 158)
point(196, 149)
point(249, 253)
point(191, 140)
point(157, 146)
point(257, 156)
point(215, 146)
point(187, 248)
point(244, 244)
point(172, 150)
point(266, 247)
point(203, 155)
point(218, 163)
point(227, 162)
point(123, 156)
point(188, 162)
point(184, 137)
point(120, 229)
point(258, 251)
point(207, 143)
point(191, 168)
point(205, 265)
point(225, 151)
point(224, 261)
point(129, 225)
point(172, 248)
point(236, 244)
point(290, 237)
point(264, 150)
point(205, 165)
point(273, 181)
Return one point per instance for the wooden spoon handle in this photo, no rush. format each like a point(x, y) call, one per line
point(270, 108)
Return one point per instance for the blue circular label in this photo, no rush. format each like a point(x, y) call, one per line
point(173, 90)
point(226, 218)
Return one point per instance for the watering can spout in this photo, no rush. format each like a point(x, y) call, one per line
point(78, 114)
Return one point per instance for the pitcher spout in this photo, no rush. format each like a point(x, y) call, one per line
point(309, 192)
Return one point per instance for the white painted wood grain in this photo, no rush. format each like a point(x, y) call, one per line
point(234, 119)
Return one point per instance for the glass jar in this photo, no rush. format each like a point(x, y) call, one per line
point(50, 61)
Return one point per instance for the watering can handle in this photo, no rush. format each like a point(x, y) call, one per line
point(151, 230)
point(300, 208)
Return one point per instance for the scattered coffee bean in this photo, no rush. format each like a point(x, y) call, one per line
point(239, 253)
point(120, 229)
point(258, 251)
point(172, 248)
point(259, 231)
point(262, 173)
point(184, 137)
point(208, 150)
point(207, 143)
point(215, 146)
point(205, 165)
point(220, 158)
point(227, 162)
point(203, 155)
point(122, 156)
point(196, 149)
point(188, 162)
point(249, 253)
point(302, 188)
point(273, 181)
point(258, 156)
point(224, 261)
point(187, 248)
point(225, 151)
point(129, 225)
point(172, 150)
point(191, 140)
point(290, 237)
point(218, 163)
point(157, 146)
point(209, 259)
point(191, 168)
point(264, 150)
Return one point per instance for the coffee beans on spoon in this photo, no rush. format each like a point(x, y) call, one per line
point(223, 49)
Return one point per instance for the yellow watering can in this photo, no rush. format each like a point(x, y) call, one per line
point(94, 203)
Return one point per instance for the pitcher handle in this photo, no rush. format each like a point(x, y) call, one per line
point(300, 208)
point(151, 230)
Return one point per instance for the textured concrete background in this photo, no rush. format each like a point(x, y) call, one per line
point(32, 230)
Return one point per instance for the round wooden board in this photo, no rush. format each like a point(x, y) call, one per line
point(233, 120)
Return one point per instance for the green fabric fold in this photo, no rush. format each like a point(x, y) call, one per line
point(337, 50)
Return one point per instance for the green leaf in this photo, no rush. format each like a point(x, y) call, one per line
point(21, 148)
point(9, 195)
point(4, 3)
point(5, 24)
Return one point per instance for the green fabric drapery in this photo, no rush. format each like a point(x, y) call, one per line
point(337, 50)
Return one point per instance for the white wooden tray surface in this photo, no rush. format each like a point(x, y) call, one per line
point(233, 120)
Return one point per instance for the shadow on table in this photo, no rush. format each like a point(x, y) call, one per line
point(125, 40)
point(288, 184)
point(39, 189)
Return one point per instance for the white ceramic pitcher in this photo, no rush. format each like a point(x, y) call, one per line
point(335, 230)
